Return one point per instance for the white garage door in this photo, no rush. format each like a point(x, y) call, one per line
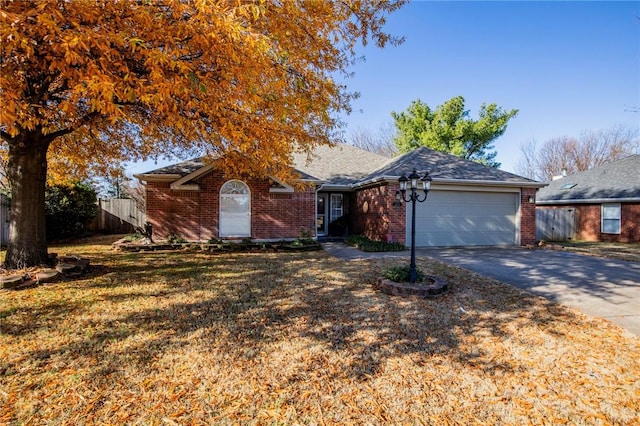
point(465, 218)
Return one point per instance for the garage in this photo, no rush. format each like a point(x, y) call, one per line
point(465, 218)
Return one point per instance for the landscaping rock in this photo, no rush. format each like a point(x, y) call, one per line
point(11, 281)
point(73, 266)
point(48, 276)
point(432, 286)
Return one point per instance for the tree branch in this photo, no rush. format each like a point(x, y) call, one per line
point(6, 136)
point(62, 132)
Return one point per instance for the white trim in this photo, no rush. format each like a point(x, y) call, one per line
point(474, 188)
point(150, 177)
point(181, 184)
point(501, 183)
point(220, 195)
point(286, 188)
point(325, 214)
point(589, 201)
point(619, 218)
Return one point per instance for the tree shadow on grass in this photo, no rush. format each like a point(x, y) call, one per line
point(245, 303)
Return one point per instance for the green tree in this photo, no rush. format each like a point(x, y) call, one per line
point(448, 128)
point(68, 209)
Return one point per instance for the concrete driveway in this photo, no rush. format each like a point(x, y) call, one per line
point(597, 286)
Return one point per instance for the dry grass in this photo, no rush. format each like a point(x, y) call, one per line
point(621, 251)
point(301, 338)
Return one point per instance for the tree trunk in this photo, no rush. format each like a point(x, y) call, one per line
point(27, 173)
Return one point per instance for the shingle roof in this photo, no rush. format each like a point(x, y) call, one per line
point(183, 168)
point(187, 167)
point(615, 180)
point(345, 165)
point(442, 166)
point(340, 164)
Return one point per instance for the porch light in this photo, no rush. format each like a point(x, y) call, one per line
point(426, 182)
point(414, 197)
point(403, 183)
point(413, 177)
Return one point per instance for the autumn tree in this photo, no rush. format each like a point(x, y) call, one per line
point(97, 82)
point(449, 128)
point(570, 154)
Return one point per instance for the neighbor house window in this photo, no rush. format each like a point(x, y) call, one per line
point(611, 218)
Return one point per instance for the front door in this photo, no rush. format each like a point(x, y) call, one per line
point(330, 207)
point(321, 215)
point(235, 210)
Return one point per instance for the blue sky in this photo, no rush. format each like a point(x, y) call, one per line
point(566, 66)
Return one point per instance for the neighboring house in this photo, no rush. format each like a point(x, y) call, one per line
point(600, 204)
point(349, 191)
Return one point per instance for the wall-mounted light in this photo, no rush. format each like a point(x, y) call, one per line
point(531, 199)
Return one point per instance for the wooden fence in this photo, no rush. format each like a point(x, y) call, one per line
point(118, 216)
point(556, 224)
point(115, 216)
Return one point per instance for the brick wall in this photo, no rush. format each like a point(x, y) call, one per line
point(386, 220)
point(382, 220)
point(589, 223)
point(194, 215)
point(527, 217)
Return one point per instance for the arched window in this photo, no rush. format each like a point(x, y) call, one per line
point(235, 209)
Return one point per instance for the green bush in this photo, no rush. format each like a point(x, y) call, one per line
point(68, 209)
point(133, 237)
point(365, 244)
point(174, 239)
point(400, 274)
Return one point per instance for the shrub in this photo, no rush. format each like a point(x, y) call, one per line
point(365, 244)
point(133, 237)
point(400, 274)
point(174, 239)
point(68, 209)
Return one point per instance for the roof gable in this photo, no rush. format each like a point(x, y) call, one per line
point(339, 164)
point(616, 180)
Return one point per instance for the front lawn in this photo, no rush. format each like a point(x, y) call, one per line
point(300, 338)
point(622, 251)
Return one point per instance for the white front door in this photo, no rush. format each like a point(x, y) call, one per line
point(235, 210)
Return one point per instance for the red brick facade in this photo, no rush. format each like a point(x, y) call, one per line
point(385, 219)
point(589, 222)
point(373, 211)
point(194, 215)
point(527, 217)
point(377, 216)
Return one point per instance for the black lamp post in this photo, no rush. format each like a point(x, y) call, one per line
point(414, 197)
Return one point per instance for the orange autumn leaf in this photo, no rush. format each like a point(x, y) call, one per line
point(86, 85)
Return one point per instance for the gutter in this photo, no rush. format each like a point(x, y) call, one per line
point(146, 177)
point(464, 182)
point(589, 201)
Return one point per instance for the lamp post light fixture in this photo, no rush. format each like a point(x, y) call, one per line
point(413, 181)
